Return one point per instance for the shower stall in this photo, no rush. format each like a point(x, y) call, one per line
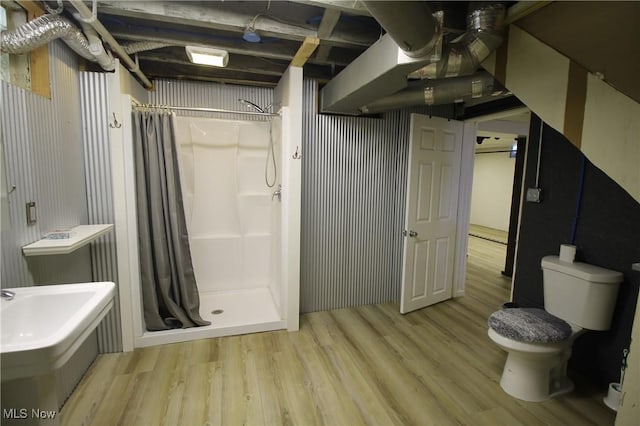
point(231, 178)
point(241, 180)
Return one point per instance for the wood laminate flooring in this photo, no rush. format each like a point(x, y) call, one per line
point(487, 233)
point(362, 365)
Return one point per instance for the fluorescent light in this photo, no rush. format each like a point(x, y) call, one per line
point(207, 56)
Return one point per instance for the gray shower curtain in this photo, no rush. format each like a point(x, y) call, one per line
point(169, 293)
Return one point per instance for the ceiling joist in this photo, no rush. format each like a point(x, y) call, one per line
point(207, 15)
point(309, 45)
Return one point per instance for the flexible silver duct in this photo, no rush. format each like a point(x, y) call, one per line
point(437, 92)
point(143, 46)
point(43, 30)
point(484, 34)
point(409, 23)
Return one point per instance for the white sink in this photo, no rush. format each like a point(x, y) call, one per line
point(44, 325)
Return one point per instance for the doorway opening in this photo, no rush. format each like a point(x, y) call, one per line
point(501, 143)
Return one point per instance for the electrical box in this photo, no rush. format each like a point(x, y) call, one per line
point(31, 213)
point(534, 195)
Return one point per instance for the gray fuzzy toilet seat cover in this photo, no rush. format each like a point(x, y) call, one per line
point(530, 325)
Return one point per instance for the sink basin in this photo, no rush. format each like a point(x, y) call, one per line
point(43, 326)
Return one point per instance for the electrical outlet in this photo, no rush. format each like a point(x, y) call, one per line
point(31, 213)
point(534, 195)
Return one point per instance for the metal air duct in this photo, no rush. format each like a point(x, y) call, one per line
point(143, 46)
point(43, 30)
point(484, 34)
point(382, 70)
point(409, 23)
point(437, 92)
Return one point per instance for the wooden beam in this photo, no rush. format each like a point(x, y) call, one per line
point(330, 19)
point(307, 48)
point(323, 53)
point(575, 104)
point(38, 58)
point(522, 9)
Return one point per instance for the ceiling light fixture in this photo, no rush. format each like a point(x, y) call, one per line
point(250, 34)
point(207, 56)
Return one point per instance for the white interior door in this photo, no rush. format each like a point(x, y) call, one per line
point(431, 215)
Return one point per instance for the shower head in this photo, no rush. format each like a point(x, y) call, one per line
point(251, 104)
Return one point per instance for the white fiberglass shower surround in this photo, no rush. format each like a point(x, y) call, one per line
point(234, 222)
point(245, 242)
point(233, 218)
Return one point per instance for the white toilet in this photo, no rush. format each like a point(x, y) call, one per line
point(577, 297)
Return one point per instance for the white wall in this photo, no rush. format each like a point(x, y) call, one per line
point(492, 187)
point(288, 95)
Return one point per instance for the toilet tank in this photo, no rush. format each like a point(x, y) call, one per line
point(581, 294)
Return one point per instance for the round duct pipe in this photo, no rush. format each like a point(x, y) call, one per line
point(409, 23)
point(437, 92)
point(41, 31)
point(47, 28)
point(485, 22)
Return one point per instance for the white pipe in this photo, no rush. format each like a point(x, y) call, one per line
point(96, 48)
point(86, 13)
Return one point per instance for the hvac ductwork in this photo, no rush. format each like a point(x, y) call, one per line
point(484, 34)
point(409, 23)
point(437, 92)
point(47, 28)
point(143, 46)
point(380, 71)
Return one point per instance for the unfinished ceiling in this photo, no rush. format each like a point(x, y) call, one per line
point(344, 29)
point(339, 42)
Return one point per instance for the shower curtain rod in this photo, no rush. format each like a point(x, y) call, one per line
point(197, 109)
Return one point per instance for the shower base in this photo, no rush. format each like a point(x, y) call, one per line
point(243, 311)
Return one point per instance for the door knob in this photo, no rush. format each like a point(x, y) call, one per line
point(409, 233)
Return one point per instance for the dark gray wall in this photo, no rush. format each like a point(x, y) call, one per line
point(607, 235)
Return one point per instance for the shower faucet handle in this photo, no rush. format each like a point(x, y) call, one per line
point(277, 193)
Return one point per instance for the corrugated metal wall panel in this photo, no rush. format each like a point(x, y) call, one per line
point(210, 95)
point(354, 172)
point(43, 152)
point(97, 160)
point(353, 192)
point(19, 178)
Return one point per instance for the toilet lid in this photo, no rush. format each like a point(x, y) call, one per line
point(531, 325)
